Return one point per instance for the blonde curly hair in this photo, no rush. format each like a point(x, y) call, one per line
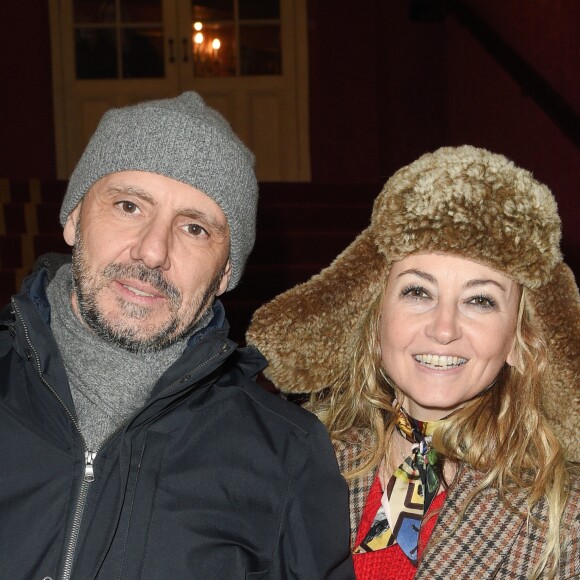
point(501, 433)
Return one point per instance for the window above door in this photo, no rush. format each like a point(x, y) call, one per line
point(125, 39)
point(247, 58)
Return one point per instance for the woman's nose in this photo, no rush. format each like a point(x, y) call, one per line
point(444, 326)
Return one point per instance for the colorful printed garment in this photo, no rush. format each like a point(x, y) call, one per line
point(409, 493)
point(390, 563)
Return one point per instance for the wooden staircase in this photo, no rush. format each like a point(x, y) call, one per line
point(29, 227)
point(301, 228)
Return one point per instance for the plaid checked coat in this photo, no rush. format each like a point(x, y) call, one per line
point(490, 542)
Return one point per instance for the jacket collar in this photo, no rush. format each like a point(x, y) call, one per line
point(347, 455)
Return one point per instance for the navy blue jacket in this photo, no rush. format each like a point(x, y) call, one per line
point(214, 478)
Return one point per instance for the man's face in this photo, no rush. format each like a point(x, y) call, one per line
point(149, 256)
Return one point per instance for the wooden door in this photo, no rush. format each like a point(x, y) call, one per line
point(109, 53)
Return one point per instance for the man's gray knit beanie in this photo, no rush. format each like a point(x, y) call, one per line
point(184, 139)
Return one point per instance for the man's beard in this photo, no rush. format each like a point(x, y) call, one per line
point(121, 334)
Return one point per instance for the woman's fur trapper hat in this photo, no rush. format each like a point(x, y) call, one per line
point(463, 201)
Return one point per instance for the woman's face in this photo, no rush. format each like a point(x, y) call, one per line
point(447, 327)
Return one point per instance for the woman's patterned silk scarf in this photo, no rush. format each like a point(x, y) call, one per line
point(409, 492)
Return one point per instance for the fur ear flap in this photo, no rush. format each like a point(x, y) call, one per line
point(556, 306)
point(306, 332)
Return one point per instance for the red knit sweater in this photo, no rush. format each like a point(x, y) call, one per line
point(390, 563)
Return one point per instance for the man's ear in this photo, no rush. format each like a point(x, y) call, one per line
point(70, 227)
point(225, 279)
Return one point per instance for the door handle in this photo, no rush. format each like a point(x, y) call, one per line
point(171, 42)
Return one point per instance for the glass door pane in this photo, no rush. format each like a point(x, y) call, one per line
point(236, 38)
point(259, 9)
point(141, 11)
point(213, 38)
point(206, 10)
point(118, 39)
point(96, 53)
point(214, 52)
point(85, 11)
point(260, 50)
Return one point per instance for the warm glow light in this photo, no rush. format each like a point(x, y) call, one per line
point(198, 38)
point(215, 44)
point(197, 25)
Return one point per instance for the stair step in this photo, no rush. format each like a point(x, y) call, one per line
point(44, 243)
point(239, 314)
point(285, 248)
point(301, 228)
point(32, 190)
point(21, 250)
point(22, 217)
point(300, 247)
point(13, 218)
point(304, 192)
point(10, 282)
point(29, 218)
point(261, 283)
point(52, 191)
point(279, 217)
point(7, 285)
point(11, 252)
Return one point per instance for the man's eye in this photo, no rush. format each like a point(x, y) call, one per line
point(196, 230)
point(127, 206)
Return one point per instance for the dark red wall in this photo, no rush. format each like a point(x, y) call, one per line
point(345, 54)
point(26, 124)
point(438, 83)
point(487, 108)
point(383, 90)
point(413, 83)
point(544, 33)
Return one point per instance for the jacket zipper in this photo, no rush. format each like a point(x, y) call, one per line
point(88, 478)
point(89, 474)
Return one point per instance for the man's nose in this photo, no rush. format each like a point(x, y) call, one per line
point(152, 245)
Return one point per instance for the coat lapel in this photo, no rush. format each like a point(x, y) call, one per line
point(347, 457)
point(483, 537)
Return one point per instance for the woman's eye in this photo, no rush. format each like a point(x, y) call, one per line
point(483, 302)
point(415, 292)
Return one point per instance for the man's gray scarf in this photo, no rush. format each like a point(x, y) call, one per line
point(108, 384)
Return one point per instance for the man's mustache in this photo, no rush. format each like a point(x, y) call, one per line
point(140, 272)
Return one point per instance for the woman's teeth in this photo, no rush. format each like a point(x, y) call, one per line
point(435, 361)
